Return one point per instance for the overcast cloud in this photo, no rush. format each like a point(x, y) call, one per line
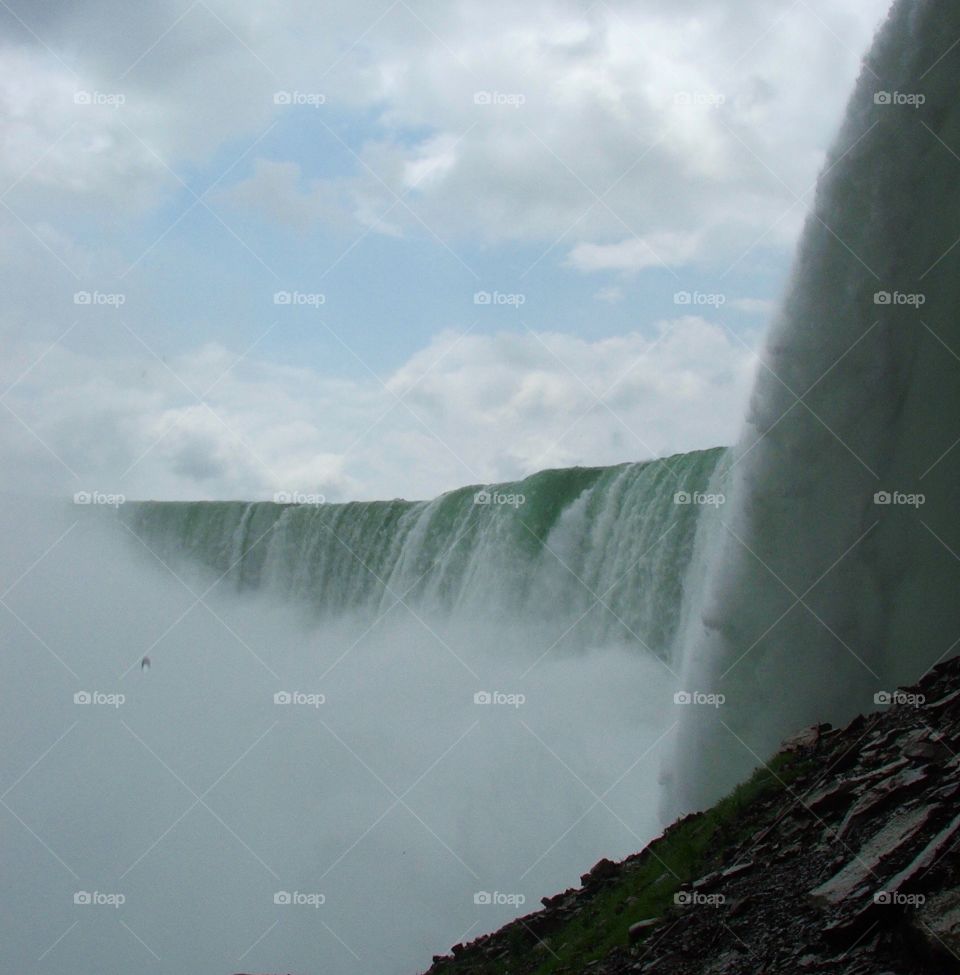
point(398, 158)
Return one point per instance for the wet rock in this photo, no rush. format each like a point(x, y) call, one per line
point(602, 870)
point(909, 875)
point(944, 702)
point(928, 751)
point(641, 929)
point(936, 925)
point(837, 795)
point(866, 863)
point(807, 738)
point(882, 795)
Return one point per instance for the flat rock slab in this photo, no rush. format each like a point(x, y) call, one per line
point(910, 874)
point(861, 871)
point(895, 787)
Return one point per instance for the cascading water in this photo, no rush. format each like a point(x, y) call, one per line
point(836, 569)
point(588, 556)
point(808, 592)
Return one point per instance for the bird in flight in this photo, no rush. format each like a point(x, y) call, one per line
point(145, 663)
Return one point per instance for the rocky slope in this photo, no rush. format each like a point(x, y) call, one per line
point(840, 856)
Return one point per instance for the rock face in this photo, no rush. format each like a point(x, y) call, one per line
point(848, 865)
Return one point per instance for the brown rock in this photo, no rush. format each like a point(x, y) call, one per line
point(639, 930)
point(601, 870)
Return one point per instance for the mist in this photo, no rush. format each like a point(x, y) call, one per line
point(183, 799)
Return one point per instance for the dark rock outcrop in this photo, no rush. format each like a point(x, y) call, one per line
point(846, 862)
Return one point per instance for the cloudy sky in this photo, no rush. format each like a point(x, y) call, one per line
point(384, 249)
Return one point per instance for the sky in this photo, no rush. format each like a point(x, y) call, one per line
point(386, 249)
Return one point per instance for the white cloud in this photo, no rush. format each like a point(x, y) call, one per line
point(129, 425)
point(62, 142)
point(583, 148)
point(599, 145)
point(636, 253)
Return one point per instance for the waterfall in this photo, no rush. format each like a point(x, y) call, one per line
point(833, 576)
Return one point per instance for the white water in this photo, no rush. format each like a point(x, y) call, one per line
point(588, 556)
point(817, 596)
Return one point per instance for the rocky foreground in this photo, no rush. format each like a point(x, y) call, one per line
point(840, 857)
